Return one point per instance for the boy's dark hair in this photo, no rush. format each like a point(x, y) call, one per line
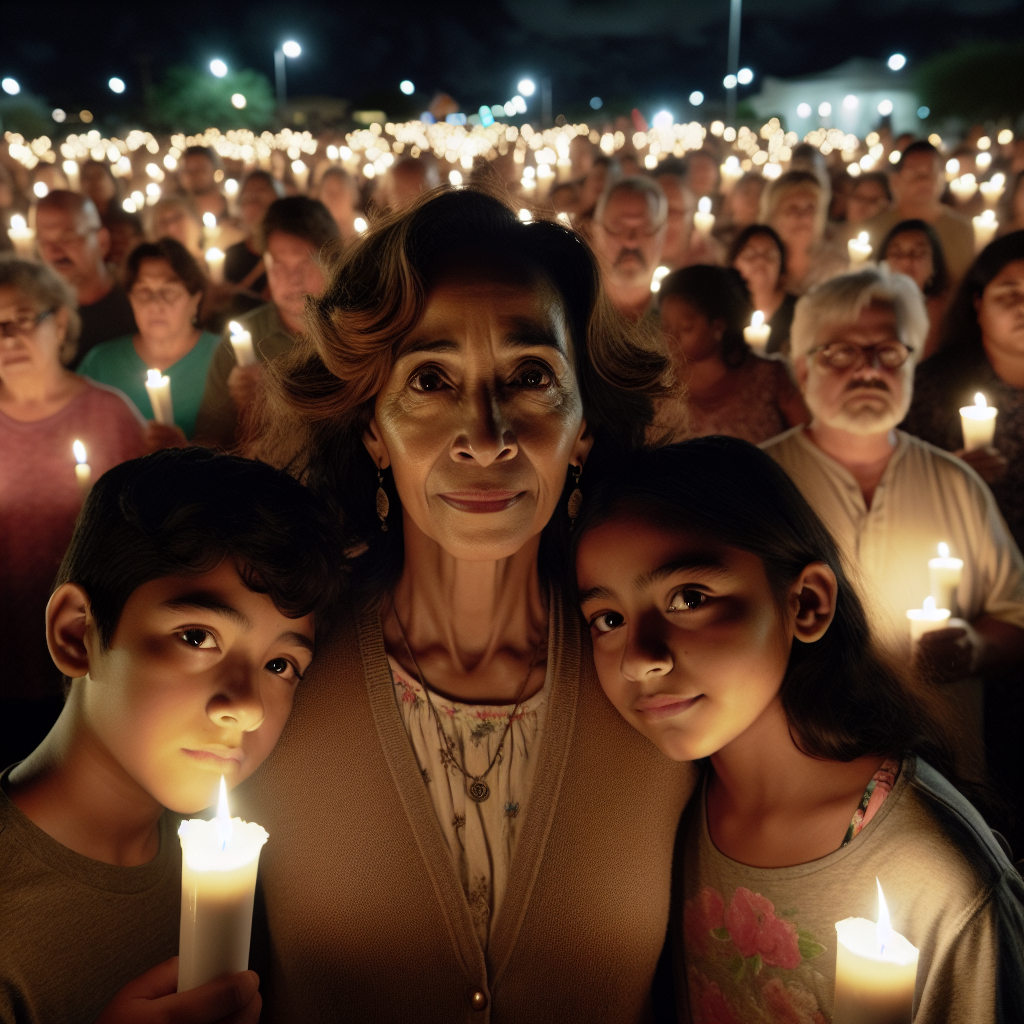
point(181, 511)
point(843, 698)
point(302, 217)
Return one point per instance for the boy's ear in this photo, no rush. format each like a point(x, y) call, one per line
point(813, 598)
point(67, 617)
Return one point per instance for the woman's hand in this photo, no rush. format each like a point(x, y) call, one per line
point(152, 999)
point(989, 463)
point(951, 653)
point(158, 436)
point(243, 383)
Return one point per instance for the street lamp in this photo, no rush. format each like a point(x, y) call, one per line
point(10, 86)
point(218, 68)
point(289, 48)
point(116, 85)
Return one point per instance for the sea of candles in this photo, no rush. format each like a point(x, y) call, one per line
point(83, 471)
point(758, 333)
point(158, 387)
point(978, 423)
point(859, 250)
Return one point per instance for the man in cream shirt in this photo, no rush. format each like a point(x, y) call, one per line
point(889, 498)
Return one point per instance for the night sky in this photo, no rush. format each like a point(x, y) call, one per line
point(627, 51)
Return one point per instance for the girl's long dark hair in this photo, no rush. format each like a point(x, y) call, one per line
point(843, 696)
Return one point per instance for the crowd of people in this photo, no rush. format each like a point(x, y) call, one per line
point(428, 360)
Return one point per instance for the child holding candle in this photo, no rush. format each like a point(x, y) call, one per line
point(183, 615)
point(724, 627)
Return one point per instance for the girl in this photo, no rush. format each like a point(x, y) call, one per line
point(724, 627)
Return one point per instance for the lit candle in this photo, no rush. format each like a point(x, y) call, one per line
point(218, 882)
point(926, 619)
point(159, 390)
point(876, 971)
point(211, 233)
point(301, 172)
point(985, 228)
point(241, 342)
point(83, 471)
point(758, 333)
point(231, 189)
point(978, 423)
point(704, 219)
point(215, 264)
point(859, 250)
point(944, 575)
point(659, 275)
point(22, 237)
point(992, 190)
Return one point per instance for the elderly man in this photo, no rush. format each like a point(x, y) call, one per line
point(291, 236)
point(75, 244)
point(917, 185)
point(628, 235)
point(889, 498)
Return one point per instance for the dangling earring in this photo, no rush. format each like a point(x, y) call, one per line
point(383, 505)
point(576, 498)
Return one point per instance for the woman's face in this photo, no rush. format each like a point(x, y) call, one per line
point(910, 253)
point(760, 264)
point(866, 199)
point(688, 642)
point(1001, 312)
point(161, 303)
point(689, 334)
point(481, 417)
point(30, 337)
point(795, 218)
point(254, 200)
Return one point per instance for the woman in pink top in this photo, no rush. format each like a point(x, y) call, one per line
point(44, 409)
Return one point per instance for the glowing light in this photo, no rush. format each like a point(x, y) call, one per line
point(59, 115)
point(744, 76)
point(923, 112)
point(525, 216)
point(979, 401)
point(696, 98)
point(79, 449)
point(291, 48)
point(596, 103)
point(885, 108)
point(660, 273)
point(360, 225)
point(486, 116)
point(953, 166)
point(218, 68)
point(943, 549)
point(897, 62)
point(238, 101)
point(116, 85)
point(10, 86)
point(40, 189)
point(209, 220)
point(850, 102)
point(894, 156)
point(519, 104)
point(526, 87)
point(662, 119)
point(824, 109)
point(455, 178)
point(1005, 137)
point(803, 110)
point(224, 826)
point(85, 115)
point(129, 206)
point(730, 81)
point(704, 204)
point(406, 87)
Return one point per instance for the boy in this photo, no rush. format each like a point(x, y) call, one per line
point(183, 615)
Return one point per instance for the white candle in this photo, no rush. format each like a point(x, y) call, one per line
point(301, 172)
point(926, 619)
point(211, 233)
point(944, 575)
point(978, 423)
point(22, 237)
point(985, 228)
point(83, 471)
point(215, 264)
point(876, 971)
point(758, 333)
point(859, 250)
point(704, 219)
point(659, 275)
point(218, 882)
point(158, 388)
point(992, 190)
point(241, 342)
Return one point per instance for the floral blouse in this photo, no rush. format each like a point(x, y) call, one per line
point(481, 836)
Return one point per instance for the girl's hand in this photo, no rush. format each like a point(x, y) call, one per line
point(152, 999)
point(158, 436)
point(989, 463)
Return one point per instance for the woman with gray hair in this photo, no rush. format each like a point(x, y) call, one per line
point(44, 410)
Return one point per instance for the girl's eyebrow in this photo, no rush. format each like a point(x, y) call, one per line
point(705, 564)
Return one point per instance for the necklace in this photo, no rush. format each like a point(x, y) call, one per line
point(477, 789)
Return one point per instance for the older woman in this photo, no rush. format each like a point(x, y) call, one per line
point(44, 409)
point(165, 287)
point(796, 206)
point(759, 255)
point(465, 835)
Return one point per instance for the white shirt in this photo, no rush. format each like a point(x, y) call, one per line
point(925, 496)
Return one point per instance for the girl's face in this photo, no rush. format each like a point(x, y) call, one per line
point(760, 263)
point(689, 334)
point(910, 253)
point(689, 642)
point(1001, 312)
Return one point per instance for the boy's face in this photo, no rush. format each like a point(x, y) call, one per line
point(197, 683)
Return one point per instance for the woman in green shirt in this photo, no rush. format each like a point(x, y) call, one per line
point(165, 286)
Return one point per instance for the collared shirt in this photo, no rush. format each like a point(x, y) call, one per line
point(925, 496)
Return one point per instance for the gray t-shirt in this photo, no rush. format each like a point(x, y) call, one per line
point(74, 931)
point(757, 945)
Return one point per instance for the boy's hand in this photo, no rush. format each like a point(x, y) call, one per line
point(151, 999)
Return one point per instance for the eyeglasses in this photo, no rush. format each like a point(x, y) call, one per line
point(24, 325)
point(167, 296)
point(633, 231)
point(896, 253)
point(844, 355)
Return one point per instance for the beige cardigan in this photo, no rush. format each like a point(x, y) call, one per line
point(367, 920)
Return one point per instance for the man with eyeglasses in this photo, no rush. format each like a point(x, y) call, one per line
point(628, 236)
point(74, 242)
point(890, 499)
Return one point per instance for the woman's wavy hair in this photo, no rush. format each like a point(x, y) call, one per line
point(843, 696)
point(317, 402)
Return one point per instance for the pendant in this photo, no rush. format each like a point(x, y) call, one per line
point(479, 790)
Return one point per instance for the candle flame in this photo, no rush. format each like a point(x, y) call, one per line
point(79, 450)
point(862, 238)
point(153, 378)
point(883, 929)
point(757, 320)
point(209, 220)
point(979, 401)
point(18, 223)
point(704, 205)
point(929, 604)
point(235, 328)
point(943, 549)
point(224, 826)
point(213, 254)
